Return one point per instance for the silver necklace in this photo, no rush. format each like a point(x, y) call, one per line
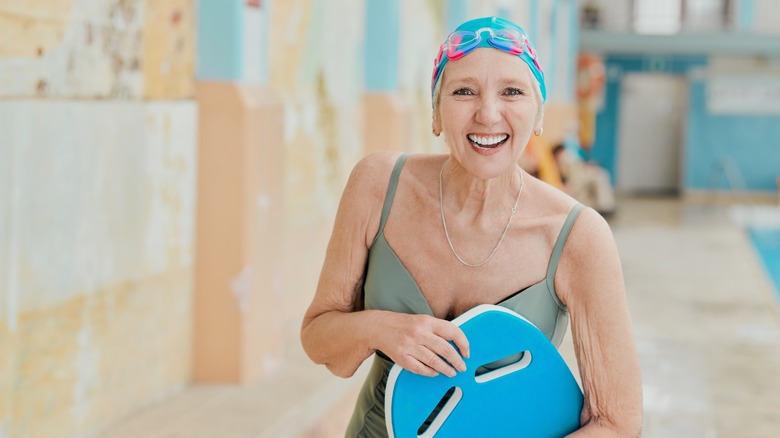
point(447, 234)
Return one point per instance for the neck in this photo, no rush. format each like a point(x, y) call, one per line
point(464, 193)
point(480, 194)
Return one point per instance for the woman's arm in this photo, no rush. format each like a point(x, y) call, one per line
point(590, 282)
point(333, 333)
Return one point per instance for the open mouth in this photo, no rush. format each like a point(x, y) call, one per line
point(487, 142)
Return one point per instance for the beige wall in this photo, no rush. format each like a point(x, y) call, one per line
point(97, 195)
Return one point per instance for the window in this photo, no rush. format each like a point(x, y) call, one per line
point(657, 16)
point(673, 16)
point(704, 15)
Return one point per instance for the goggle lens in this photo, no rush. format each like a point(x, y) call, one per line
point(460, 43)
point(508, 40)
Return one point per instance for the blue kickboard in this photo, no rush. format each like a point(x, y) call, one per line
point(535, 396)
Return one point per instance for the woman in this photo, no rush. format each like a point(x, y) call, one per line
point(420, 240)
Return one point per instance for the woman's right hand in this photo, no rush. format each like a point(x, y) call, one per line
point(419, 343)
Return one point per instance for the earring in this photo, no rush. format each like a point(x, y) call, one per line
point(539, 132)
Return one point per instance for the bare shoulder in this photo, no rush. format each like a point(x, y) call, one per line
point(373, 171)
point(590, 258)
point(590, 263)
point(547, 201)
point(365, 191)
point(590, 236)
point(422, 170)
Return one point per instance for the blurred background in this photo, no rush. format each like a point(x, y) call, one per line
point(170, 171)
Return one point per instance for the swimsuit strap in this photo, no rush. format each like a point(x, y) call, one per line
point(558, 250)
point(399, 164)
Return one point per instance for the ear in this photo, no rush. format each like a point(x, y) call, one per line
point(539, 123)
point(436, 123)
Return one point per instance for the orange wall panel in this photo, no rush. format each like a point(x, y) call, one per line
point(386, 127)
point(239, 229)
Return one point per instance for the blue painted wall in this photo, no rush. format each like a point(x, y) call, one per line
point(550, 63)
point(751, 142)
point(574, 37)
point(746, 12)
point(607, 121)
point(220, 40)
point(457, 12)
point(532, 28)
point(383, 23)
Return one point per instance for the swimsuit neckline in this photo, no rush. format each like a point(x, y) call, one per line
point(428, 309)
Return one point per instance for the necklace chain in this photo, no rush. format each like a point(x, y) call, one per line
point(447, 234)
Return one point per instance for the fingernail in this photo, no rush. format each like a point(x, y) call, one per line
point(463, 368)
point(451, 373)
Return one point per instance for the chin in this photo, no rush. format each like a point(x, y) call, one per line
point(489, 166)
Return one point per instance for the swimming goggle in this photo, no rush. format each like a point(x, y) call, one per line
point(509, 39)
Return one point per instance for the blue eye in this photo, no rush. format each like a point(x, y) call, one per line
point(463, 92)
point(513, 92)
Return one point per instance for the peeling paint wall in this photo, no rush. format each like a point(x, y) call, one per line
point(317, 67)
point(97, 191)
point(31, 28)
point(102, 178)
point(169, 49)
point(315, 52)
point(99, 49)
point(89, 49)
point(422, 32)
point(98, 260)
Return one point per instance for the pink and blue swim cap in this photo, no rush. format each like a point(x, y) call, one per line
point(494, 32)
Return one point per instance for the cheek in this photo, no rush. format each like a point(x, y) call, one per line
point(453, 118)
point(527, 115)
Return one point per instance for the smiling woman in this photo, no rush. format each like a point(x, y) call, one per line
point(487, 106)
point(469, 228)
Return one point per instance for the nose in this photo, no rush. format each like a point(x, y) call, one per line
point(489, 111)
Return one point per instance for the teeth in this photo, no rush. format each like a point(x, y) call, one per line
point(487, 140)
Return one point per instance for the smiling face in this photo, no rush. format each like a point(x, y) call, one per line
point(487, 108)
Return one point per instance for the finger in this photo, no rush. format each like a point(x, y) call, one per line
point(447, 351)
point(451, 332)
point(432, 360)
point(415, 366)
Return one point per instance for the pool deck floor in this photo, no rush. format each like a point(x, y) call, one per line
point(706, 320)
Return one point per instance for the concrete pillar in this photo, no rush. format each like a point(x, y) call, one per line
point(385, 122)
point(237, 334)
point(386, 125)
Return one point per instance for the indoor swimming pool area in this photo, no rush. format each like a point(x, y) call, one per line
point(762, 225)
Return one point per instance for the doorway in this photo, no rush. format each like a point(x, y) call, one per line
point(650, 138)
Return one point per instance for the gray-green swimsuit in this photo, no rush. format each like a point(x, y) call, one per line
point(389, 286)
